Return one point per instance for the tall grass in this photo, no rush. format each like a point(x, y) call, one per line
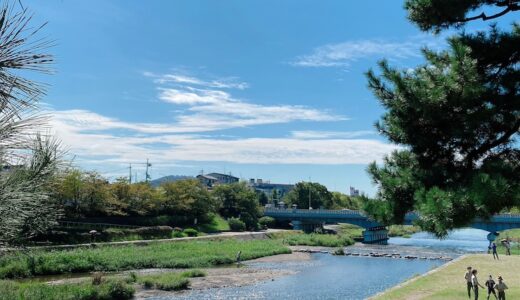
point(188, 254)
point(110, 289)
point(169, 281)
point(312, 239)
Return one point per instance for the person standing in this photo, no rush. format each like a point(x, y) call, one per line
point(508, 247)
point(501, 288)
point(490, 284)
point(494, 247)
point(475, 283)
point(469, 284)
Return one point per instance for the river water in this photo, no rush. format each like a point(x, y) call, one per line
point(347, 277)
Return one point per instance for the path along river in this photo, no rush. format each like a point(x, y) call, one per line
point(348, 277)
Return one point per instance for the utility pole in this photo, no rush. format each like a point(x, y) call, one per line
point(310, 207)
point(130, 174)
point(148, 164)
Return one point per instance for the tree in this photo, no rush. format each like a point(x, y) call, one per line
point(187, 198)
point(341, 201)
point(28, 160)
point(458, 116)
point(318, 194)
point(262, 198)
point(238, 200)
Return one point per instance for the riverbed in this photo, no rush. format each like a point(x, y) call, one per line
point(325, 276)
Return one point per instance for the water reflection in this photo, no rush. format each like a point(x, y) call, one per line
point(459, 241)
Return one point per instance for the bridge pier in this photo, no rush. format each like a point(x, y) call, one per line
point(375, 235)
point(307, 227)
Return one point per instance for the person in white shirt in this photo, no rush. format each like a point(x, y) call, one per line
point(475, 283)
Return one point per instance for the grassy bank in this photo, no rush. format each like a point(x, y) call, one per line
point(107, 290)
point(188, 254)
point(402, 230)
point(294, 238)
point(514, 237)
point(97, 288)
point(448, 282)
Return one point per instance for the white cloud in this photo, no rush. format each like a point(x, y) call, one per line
point(312, 134)
point(345, 53)
point(177, 78)
point(102, 145)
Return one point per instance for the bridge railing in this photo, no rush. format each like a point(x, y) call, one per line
point(314, 211)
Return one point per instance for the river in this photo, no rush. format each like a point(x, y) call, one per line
point(347, 277)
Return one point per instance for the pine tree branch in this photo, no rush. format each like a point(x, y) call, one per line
point(510, 7)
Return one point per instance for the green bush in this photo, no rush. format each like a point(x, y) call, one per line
point(120, 290)
point(178, 234)
point(191, 232)
point(236, 224)
point(317, 239)
point(153, 231)
point(267, 222)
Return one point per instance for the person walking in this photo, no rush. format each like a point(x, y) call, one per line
point(490, 284)
point(501, 288)
point(494, 247)
point(469, 284)
point(475, 283)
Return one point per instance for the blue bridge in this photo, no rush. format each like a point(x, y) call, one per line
point(375, 233)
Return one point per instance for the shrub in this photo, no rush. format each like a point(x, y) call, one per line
point(120, 290)
point(178, 234)
point(97, 278)
point(266, 222)
point(154, 231)
point(236, 224)
point(191, 232)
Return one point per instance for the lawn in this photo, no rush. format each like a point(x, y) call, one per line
point(449, 283)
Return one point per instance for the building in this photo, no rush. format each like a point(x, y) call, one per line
point(354, 192)
point(223, 178)
point(269, 188)
point(212, 179)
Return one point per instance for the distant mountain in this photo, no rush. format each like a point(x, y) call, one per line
point(169, 178)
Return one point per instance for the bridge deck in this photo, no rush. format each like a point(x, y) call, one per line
point(496, 223)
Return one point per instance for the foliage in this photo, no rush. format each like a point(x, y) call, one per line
point(318, 239)
point(187, 198)
point(239, 201)
point(295, 238)
point(236, 224)
point(318, 194)
point(215, 224)
point(267, 222)
point(402, 230)
point(28, 160)
point(185, 254)
point(342, 201)
point(170, 281)
point(458, 116)
point(107, 290)
point(191, 232)
point(441, 14)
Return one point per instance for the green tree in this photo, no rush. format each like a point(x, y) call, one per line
point(458, 116)
point(262, 198)
point(318, 194)
point(340, 201)
point(238, 200)
point(187, 198)
point(28, 161)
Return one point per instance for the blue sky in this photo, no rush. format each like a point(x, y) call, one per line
point(261, 89)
